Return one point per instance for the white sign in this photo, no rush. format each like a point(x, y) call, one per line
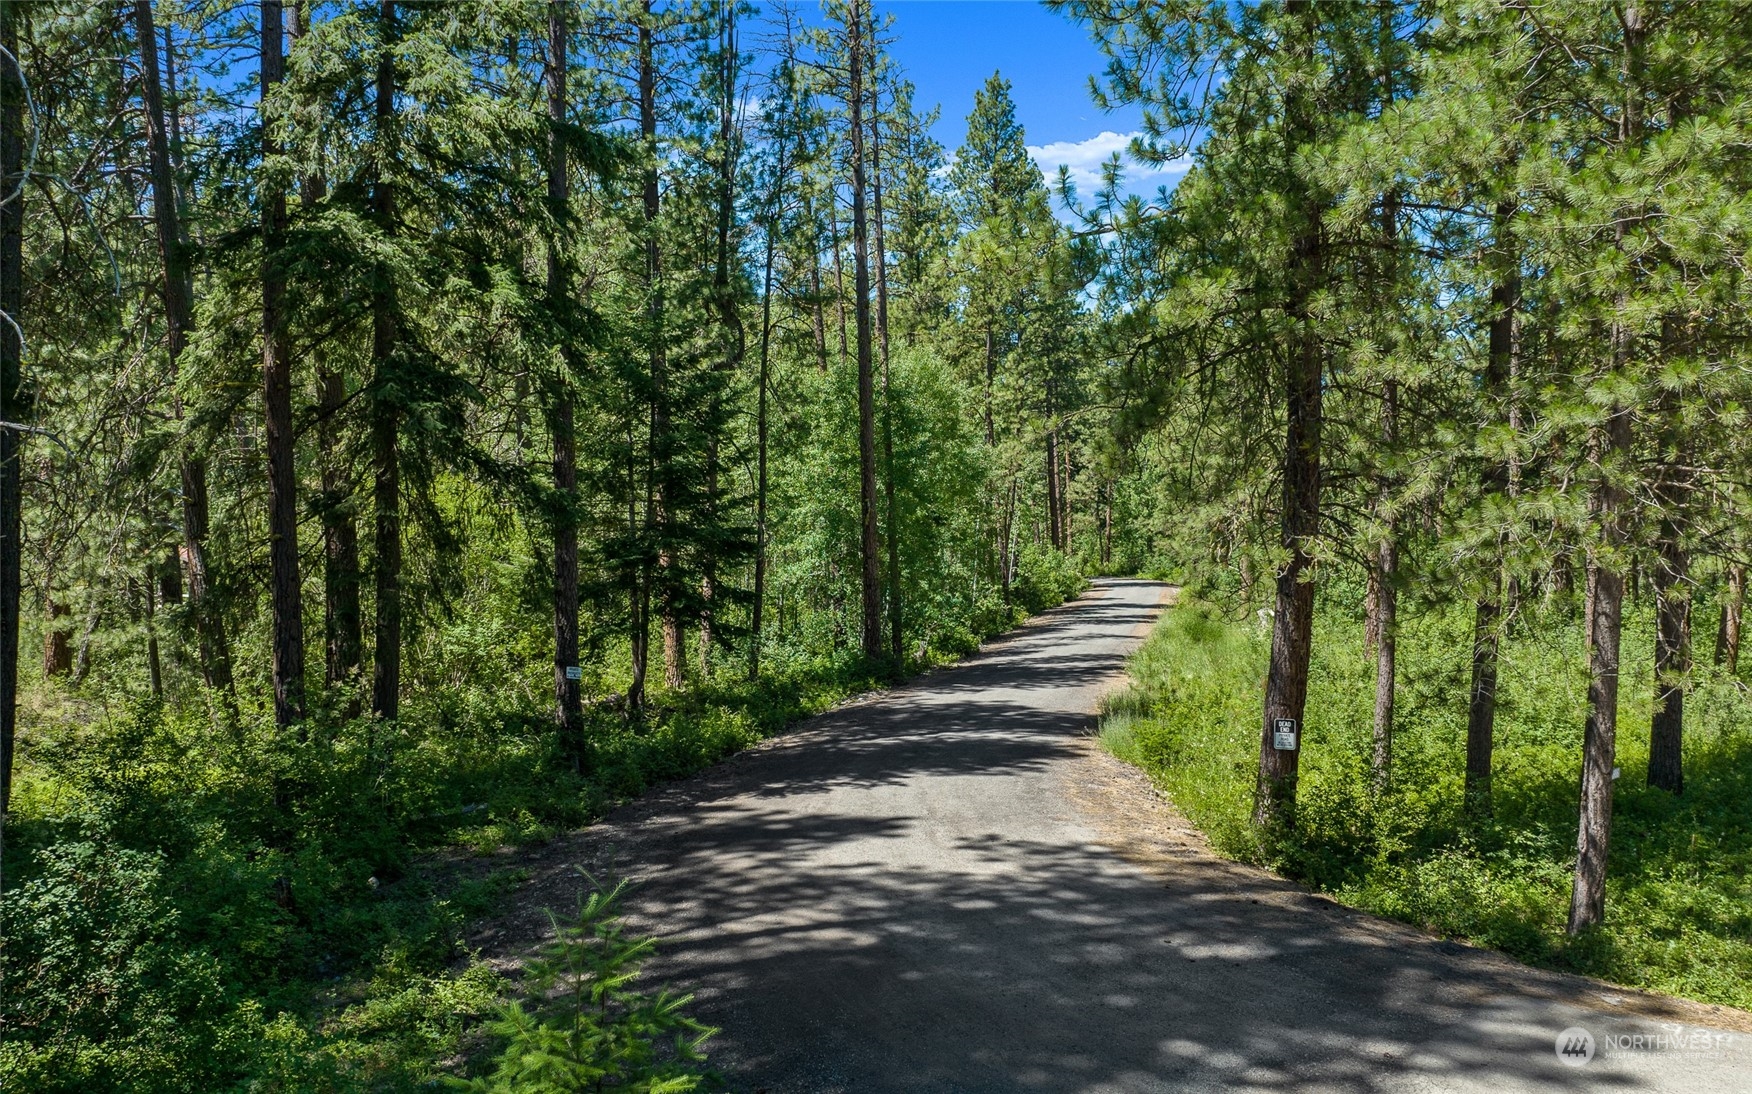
point(573, 672)
point(1283, 734)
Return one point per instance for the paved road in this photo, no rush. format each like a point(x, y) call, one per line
point(945, 887)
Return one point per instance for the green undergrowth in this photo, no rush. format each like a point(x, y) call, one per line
point(194, 909)
point(1679, 906)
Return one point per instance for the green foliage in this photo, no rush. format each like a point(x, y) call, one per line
point(590, 1029)
point(1680, 900)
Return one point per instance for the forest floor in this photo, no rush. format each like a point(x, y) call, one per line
point(948, 886)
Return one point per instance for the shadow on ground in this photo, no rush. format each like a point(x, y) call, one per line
point(902, 896)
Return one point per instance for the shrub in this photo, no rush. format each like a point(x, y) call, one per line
point(589, 1029)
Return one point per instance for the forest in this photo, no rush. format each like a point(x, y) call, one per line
point(424, 426)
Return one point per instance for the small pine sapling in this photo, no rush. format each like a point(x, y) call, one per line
point(589, 1030)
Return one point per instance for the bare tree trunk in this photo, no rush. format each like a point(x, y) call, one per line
point(872, 581)
point(657, 515)
point(1055, 529)
point(285, 587)
point(1605, 570)
point(1672, 598)
point(154, 667)
point(14, 401)
point(758, 635)
point(1498, 478)
point(724, 299)
point(178, 292)
point(1672, 661)
point(896, 619)
point(1727, 649)
point(58, 642)
point(386, 415)
point(343, 637)
point(568, 702)
point(1286, 685)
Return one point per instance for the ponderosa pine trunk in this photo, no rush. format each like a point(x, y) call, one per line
point(1606, 561)
point(385, 413)
point(1055, 520)
point(568, 700)
point(656, 515)
point(1727, 648)
point(1672, 660)
point(1487, 609)
point(178, 296)
point(726, 305)
point(285, 591)
point(1286, 683)
point(757, 617)
point(1672, 581)
point(342, 580)
point(896, 635)
point(14, 399)
point(868, 546)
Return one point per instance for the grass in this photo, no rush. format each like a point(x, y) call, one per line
point(1679, 904)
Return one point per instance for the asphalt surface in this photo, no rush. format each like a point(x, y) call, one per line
point(947, 887)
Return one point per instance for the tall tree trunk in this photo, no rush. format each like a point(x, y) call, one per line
point(1606, 566)
point(1055, 529)
point(178, 293)
point(1672, 600)
point(1386, 605)
point(58, 641)
point(385, 413)
point(1727, 650)
point(343, 628)
point(757, 618)
point(154, 667)
point(1286, 684)
point(896, 619)
point(568, 702)
point(1672, 660)
point(726, 305)
point(656, 517)
point(872, 582)
point(14, 401)
point(285, 588)
point(1505, 299)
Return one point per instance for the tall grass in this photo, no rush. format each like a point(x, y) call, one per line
point(1679, 906)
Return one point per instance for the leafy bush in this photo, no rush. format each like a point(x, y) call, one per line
point(589, 1029)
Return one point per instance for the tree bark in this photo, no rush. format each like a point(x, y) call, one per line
point(1727, 650)
point(1286, 685)
point(178, 292)
point(896, 619)
point(58, 642)
point(1498, 478)
point(656, 516)
point(285, 588)
point(726, 305)
point(757, 617)
point(1606, 566)
point(15, 405)
point(343, 637)
point(1672, 660)
point(386, 414)
point(568, 700)
point(872, 582)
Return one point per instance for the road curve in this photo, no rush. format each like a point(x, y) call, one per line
point(946, 887)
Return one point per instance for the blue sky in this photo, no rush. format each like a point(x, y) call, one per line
point(948, 48)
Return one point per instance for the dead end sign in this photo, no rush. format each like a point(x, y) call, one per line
point(1283, 734)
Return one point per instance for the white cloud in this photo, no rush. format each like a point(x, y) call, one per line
point(1084, 159)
